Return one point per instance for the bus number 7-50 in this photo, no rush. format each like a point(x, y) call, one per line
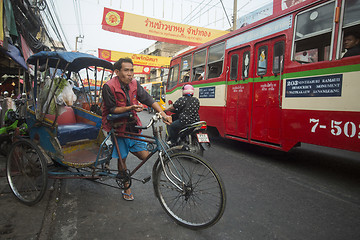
point(349, 129)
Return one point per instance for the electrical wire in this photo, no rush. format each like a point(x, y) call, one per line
point(198, 13)
point(59, 24)
point(77, 9)
point(47, 13)
point(225, 12)
point(193, 10)
point(241, 8)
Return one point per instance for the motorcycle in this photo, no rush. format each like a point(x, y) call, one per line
point(193, 137)
point(15, 124)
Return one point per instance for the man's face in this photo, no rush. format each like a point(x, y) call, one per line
point(126, 73)
point(350, 41)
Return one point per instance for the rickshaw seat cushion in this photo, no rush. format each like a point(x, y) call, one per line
point(75, 132)
point(67, 117)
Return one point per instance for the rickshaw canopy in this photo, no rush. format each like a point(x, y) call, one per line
point(72, 61)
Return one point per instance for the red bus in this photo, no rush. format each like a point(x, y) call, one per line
point(282, 80)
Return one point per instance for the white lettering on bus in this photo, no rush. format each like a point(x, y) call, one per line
point(348, 129)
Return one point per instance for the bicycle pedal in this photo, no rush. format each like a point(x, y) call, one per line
point(145, 180)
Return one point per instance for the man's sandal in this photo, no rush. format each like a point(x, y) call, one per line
point(127, 197)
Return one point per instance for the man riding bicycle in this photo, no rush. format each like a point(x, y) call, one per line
point(121, 94)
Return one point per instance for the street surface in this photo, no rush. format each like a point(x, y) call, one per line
point(310, 193)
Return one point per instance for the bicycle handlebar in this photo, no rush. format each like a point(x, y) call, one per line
point(155, 118)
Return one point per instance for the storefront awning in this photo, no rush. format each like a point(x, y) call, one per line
point(15, 54)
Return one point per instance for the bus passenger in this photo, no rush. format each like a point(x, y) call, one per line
point(121, 94)
point(187, 109)
point(352, 44)
point(201, 76)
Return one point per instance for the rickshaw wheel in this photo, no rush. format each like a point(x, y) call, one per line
point(26, 172)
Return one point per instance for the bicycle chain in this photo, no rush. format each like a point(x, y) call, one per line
point(123, 179)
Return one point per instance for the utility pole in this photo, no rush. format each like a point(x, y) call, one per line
point(77, 40)
point(234, 15)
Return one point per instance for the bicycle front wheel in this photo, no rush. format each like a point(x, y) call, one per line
point(190, 190)
point(26, 171)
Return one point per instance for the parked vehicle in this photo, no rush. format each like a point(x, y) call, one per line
point(156, 90)
point(15, 125)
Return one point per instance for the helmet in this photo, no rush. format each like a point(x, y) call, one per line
point(187, 89)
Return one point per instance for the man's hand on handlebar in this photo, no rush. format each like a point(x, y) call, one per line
point(166, 118)
point(137, 108)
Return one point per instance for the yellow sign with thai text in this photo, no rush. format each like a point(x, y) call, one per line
point(155, 29)
point(138, 59)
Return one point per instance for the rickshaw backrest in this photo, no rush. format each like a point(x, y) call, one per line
point(66, 118)
point(70, 130)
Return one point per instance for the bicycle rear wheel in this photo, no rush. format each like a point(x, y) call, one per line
point(26, 171)
point(199, 200)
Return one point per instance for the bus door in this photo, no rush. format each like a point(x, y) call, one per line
point(266, 112)
point(237, 104)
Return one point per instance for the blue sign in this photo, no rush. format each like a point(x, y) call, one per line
point(323, 86)
point(255, 16)
point(263, 31)
point(207, 92)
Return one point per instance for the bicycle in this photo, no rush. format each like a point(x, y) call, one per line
point(187, 187)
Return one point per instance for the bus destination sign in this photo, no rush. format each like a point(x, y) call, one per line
point(207, 92)
point(322, 86)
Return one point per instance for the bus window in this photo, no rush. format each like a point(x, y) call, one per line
point(278, 57)
point(351, 12)
point(215, 60)
point(351, 23)
point(185, 69)
point(262, 60)
point(313, 34)
point(173, 76)
point(234, 67)
point(199, 65)
point(245, 65)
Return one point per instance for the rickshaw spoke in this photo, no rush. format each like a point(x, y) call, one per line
point(27, 172)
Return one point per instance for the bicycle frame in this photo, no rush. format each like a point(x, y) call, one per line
point(160, 146)
point(184, 183)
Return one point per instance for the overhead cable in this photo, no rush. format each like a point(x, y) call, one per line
point(198, 14)
point(59, 23)
point(52, 24)
point(192, 11)
point(77, 9)
point(225, 13)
